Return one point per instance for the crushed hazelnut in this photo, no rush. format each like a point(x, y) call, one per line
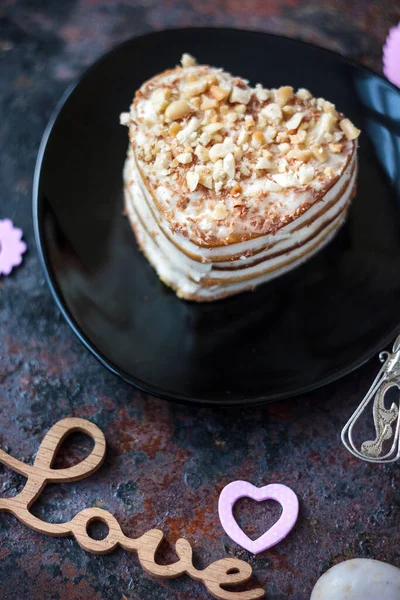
point(195, 102)
point(218, 93)
point(349, 130)
point(202, 153)
point(303, 94)
point(261, 94)
point(192, 180)
point(177, 110)
point(327, 122)
point(243, 137)
point(218, 170)
point(229, 165)
point(329, 107)
point(285, 180)
point(196, 88)
point(160, 98)
point(124, 118)
point(294, 121)
point(249, 122)
point(270, 134)
point(271, 186)
point(242, 96)
point(335, 148)
point(188, 60)
point(288, 110)
point(283, 95)
point(272, 112)
point(212, 128)
point(306, 174)
point(263, 163)
point(206, 180)
point(184, 158)
point(302, 155)
point(221, 150)
point(174, 128)
point(320, 154)
point(220, 211)
point(208, 103)
point(236, 191)
point(257, 139)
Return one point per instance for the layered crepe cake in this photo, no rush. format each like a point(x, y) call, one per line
point(228, 186)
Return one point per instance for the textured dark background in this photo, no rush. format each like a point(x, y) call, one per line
point(165, 464)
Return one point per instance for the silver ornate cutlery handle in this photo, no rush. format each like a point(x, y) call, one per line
point(386, 420)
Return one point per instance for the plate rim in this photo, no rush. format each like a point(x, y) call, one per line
point(52, 281)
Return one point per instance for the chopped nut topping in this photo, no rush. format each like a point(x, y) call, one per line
point(184, 158)
point(249, 122)
point(303, 94)
point(220, 211)
point(294, 121)
point(202, 153)
point(261, 94)
point(286, 180)
point(284, 148)
point(242, 96)
point(329, 107)
point(195, 102)
point(229, 165)
point(302, 155)
point(283, 95)
point(335, 148)
point(192, 179)
point(206, 128)
point(306, 174)
point(221, 150)
point(196, 88)
point(299, 137)
point(235, 192)
point(159, 99)
point(257, 139)
point(174, 128)
point(320, 154)
point(205, 177)
point(218, 93)
point(349, 130)
point(243, 137)
point(272, 186)
point(208, 103)
point(272, 112)
point(212, 127)
point(187, 60)
point(177, 110)
point(327, 122)
point(263, 163)
point(124, 118)
point(270, 134)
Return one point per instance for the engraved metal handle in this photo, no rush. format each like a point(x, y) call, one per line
point(386, 420)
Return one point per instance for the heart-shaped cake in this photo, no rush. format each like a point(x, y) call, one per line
point(228, 186)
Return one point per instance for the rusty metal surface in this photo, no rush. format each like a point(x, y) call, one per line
point(165, 464)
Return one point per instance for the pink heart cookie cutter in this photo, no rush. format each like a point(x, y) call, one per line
point(275, 491)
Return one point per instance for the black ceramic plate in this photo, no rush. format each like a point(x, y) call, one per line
point(291, 335)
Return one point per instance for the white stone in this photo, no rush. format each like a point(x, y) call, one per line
point(359, 579)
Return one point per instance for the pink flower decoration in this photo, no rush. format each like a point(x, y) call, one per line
point(11, 246)
point(391, 56)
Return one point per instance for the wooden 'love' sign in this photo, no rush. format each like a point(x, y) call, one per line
point(224, 572)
